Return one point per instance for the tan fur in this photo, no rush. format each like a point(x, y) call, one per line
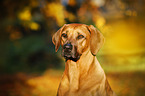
point(84, 77)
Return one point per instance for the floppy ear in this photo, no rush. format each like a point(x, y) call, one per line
point(96, 40)
point(56, 38)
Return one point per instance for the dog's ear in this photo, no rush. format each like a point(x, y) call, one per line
point(96, 40)
point(56, 38)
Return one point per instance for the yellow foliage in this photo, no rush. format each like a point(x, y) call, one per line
point(34, 26)
point(25, 14)
point(131, 13)
point(45, 85)
point(56, 11)
point(99, 21)
point(70, 16)
point(123, 38)
point(72, 2)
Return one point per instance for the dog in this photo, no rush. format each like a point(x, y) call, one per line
point(83, 75)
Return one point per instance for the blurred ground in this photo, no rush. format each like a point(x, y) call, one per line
point(20, 84)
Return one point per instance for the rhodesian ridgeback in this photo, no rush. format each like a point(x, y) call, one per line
point(83, 75)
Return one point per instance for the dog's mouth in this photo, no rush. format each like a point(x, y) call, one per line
point(70, 55)
point(69, 52)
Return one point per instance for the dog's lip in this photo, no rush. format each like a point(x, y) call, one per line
point(71, 57)
point(68, 55)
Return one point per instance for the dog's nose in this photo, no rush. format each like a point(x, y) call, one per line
point(67, 47)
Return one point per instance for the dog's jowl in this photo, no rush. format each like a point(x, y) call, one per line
point(83, 75)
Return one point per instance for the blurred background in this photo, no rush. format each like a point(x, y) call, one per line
point(29, 65)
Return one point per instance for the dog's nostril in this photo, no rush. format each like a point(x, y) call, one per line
point(68, 47)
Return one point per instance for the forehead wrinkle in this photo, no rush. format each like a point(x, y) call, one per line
point(69, 32)
point(72, 34)
point(82, 31)
point(73, 29)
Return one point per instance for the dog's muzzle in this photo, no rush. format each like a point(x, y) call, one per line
point(67, 50)
point(70, 52)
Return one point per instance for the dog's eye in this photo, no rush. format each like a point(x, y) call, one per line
point(80, 37)
point(64, 35)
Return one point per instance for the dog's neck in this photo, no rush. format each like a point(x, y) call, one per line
point(82, 68)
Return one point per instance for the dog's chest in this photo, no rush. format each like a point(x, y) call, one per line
point(82, 80)
point(73, 75)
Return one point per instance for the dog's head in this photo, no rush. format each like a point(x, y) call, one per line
point(75, 39)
